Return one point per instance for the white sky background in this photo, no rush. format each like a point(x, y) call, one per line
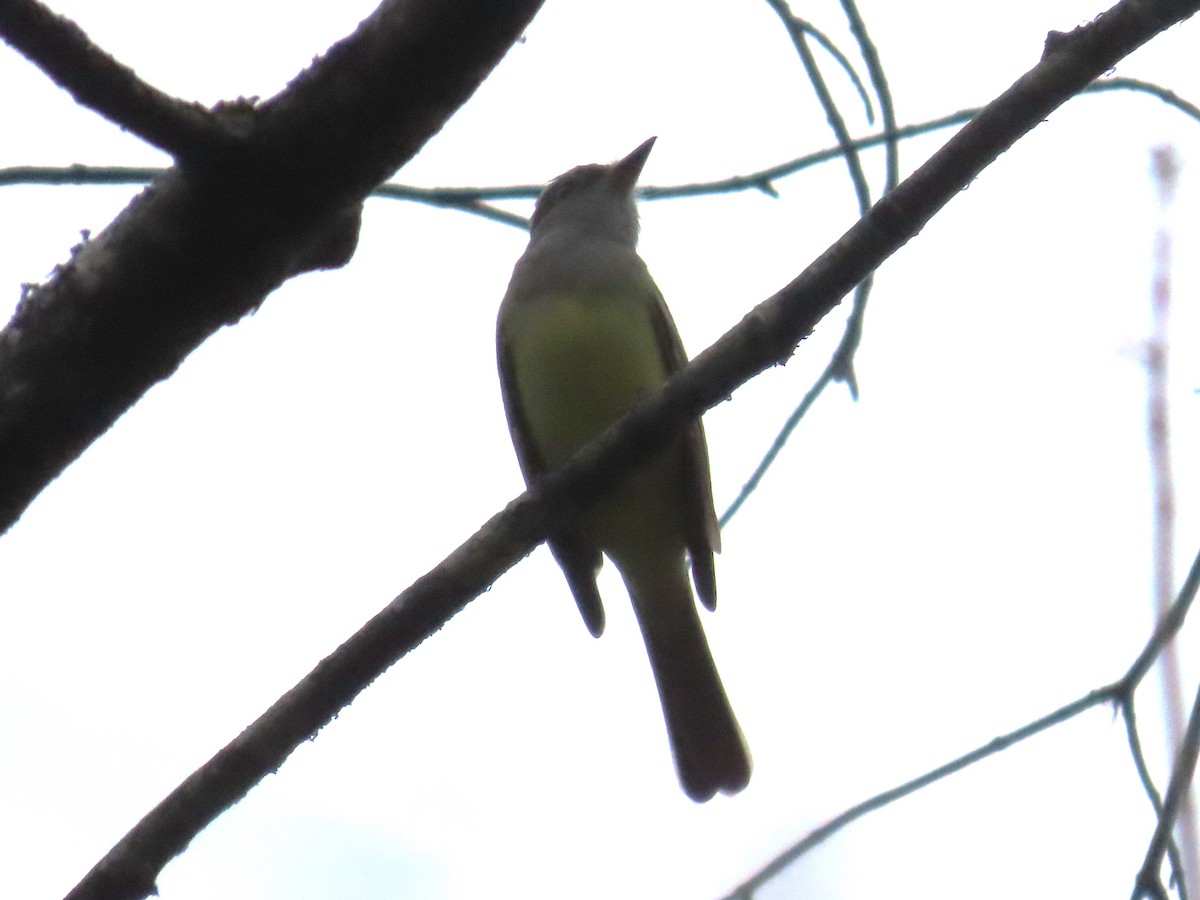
point(964, 549)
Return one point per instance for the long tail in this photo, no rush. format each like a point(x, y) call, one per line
point(710, 752)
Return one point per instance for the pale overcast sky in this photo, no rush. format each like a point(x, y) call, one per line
point(962, 550)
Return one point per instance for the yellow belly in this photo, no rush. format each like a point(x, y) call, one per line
point(580, 363)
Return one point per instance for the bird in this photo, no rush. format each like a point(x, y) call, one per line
point(583, 332)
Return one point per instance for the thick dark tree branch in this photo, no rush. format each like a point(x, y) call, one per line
point(96, 80)
point(209, 240)
point(766, 336)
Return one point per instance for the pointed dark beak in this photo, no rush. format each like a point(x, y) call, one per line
point(626, 171)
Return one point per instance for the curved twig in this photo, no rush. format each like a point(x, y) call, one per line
point(1119, 692)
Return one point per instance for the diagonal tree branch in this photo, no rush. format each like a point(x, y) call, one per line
point(766, 336)
point(64, 52)
point(209, 240)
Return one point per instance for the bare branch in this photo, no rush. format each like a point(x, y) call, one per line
point(1148, 882)
point(75, 175)
point(1129, 715)
point(841, 363)
point(64, 52)
point(211, 238)
point(850, 337)
point(767, 335)
point(870, 55)
point(841, 366)
point(823, 40)
point(1119, 692)
point(756, 180)
point(476, 200)
point(991, 748)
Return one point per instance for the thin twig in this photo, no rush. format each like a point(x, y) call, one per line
point(448, 200)
point(463, 197)
point(842, 60)
point(875, 70)
point(840, 360)
point(465, 200)
point(991, 748)
point(1166, 629)
point(1148, 881)
point(1143, 771)
point(1119, 692)
point(828, 375)
point(75, 175)
point(841, 366)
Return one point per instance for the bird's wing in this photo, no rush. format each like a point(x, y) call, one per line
point(703, 536)
point(575, 556)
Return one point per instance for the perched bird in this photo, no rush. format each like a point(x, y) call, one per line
point(582, 332)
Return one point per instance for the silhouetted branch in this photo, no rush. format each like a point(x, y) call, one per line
point(755, 180)
point(1119, 692)
point(841, 366)
point(63, 51)
point(1148, 883)
point(887, 109)
point(213, 236)
point(849, 339)
point(819, 835)
point(75, 175)
point(841, 362)
point(477, 200)
point(824, 41)
point(766, 336)
point(1129, 716)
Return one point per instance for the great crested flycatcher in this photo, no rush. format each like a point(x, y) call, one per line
point(583, 331)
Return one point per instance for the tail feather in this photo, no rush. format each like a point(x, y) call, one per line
point(709, 749)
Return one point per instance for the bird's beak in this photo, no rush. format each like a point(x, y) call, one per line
point(626, 171)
